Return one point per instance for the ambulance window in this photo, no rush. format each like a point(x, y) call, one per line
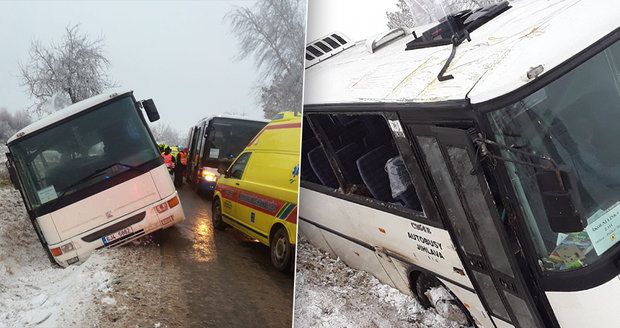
point(236, 171)
point(366, 155)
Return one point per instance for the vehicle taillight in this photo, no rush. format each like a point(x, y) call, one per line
point(173, 202)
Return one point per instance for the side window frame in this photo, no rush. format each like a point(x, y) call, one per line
point(405, 147)
point(245, 165)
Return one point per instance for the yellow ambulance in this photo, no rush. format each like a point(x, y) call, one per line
point(257, 194)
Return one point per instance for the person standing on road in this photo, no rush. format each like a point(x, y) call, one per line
point(180, 167)
point(168, 160)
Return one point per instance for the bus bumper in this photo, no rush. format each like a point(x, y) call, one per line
point(131, 226)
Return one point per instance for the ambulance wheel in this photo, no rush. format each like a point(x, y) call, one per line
point(216, 217)
point(281, 250)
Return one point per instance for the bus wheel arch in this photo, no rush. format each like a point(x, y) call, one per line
point(420, 282)
point(280, 249)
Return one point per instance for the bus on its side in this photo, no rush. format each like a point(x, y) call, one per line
point(484, 160)
point(91, 176)
point(214, 142)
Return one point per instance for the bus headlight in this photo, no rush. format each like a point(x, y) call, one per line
point(57, 251)
point(209, 176)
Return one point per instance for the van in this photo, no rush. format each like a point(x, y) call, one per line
point(257, 194)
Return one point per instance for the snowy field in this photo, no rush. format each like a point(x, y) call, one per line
point(33, 292)
point(330, 294)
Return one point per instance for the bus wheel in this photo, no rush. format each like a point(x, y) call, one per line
point(281, 252)
point(444, 302)
point(422, 285)
point(216, 216)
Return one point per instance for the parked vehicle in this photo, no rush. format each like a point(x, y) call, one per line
point(91, 176)
point(257, 194)
point(215, 141)
point(479, 154)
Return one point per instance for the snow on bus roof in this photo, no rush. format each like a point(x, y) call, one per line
point(66, 112)
point(236, 117)
point(494, 63)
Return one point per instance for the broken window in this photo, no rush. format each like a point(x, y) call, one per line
point(365, 154)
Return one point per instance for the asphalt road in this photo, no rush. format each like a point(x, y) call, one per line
point(226, 278)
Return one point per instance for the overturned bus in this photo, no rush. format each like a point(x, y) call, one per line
point(479, 154)
point(91, 176)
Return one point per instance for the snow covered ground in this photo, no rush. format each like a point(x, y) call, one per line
point(330, 294)
point(33, 292)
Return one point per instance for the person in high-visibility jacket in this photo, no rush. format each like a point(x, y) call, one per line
point(180, 167)
point(168, 160)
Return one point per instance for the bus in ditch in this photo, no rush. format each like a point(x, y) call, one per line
point(215, 142)
point(91, 176)
point(478, 154)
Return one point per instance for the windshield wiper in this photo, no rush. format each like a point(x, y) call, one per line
point(94, 174)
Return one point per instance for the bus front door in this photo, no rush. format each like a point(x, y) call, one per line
point(476, 225)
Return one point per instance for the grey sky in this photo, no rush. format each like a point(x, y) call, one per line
point(181, 54)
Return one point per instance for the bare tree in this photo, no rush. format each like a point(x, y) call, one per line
point(272, 32)
point(165, 134)
point(75, 67)
point(401, 17)
point(11, 123)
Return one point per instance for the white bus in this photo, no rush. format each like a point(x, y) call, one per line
point(489, 165)
point(91, 176)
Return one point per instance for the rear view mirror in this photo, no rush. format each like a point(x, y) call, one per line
point(12, 174)
point(151, 110)
point(561, 200)
point(222, 169)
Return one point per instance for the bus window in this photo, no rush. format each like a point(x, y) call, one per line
point(366, 155)
point(574, 121)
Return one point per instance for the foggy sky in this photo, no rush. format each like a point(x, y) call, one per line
point(181, 54)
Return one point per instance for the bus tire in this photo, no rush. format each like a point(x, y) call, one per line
point(281, 250)
point(423, 283)
point(216, 215)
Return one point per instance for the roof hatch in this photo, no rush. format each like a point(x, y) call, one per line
point(326, 47)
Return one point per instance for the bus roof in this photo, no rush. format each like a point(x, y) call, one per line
point(236, 117)
point(67, 112)
point(493, 63)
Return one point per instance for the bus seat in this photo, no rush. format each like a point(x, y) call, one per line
point(307, 173)
point(371, 168)
point(410, 198)
point(348, 156)
point(322, 169)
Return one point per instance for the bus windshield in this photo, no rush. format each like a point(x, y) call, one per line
point(228, 137)
point(573, 120)
point(80, 152)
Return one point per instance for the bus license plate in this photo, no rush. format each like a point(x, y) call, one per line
point(117, 235)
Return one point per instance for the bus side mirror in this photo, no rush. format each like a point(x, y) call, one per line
point(222, 170)
point(12, 174)
point(151, 110)
point(561, 200)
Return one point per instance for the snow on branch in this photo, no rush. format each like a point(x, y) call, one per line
point(74, 68)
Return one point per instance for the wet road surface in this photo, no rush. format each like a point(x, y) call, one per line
point(192, 275)
point(227, 278)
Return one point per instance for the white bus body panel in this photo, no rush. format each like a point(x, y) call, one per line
point(499, 323)
point(363, 223)
point(113, 205)
point(595, 307)
point(428, 247)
